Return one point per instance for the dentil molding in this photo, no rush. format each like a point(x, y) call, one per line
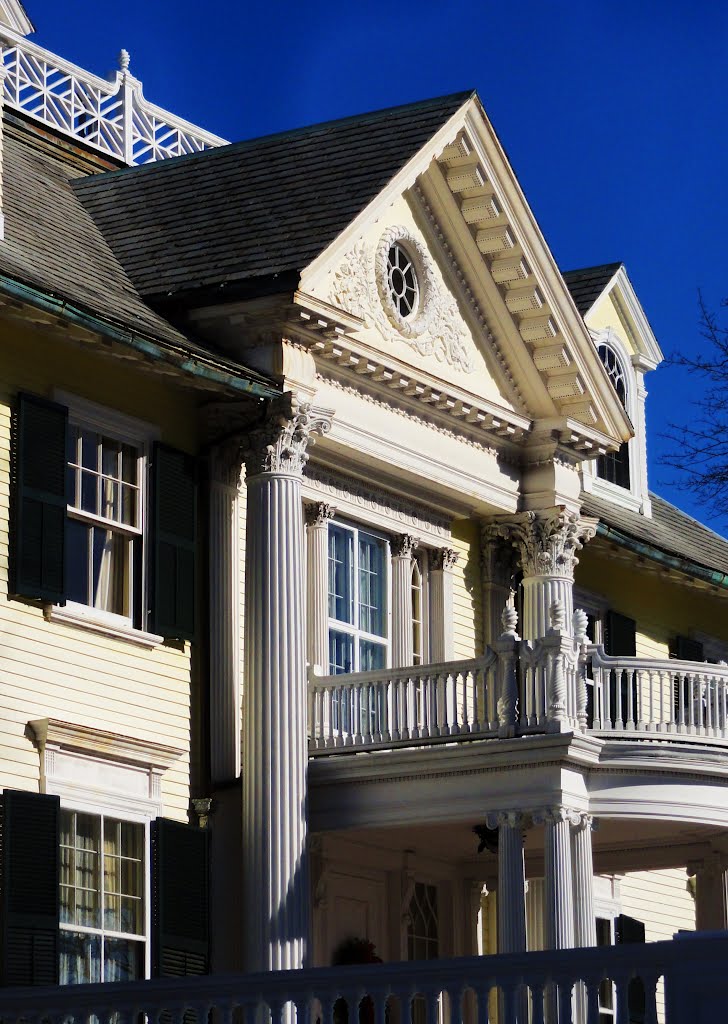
point(438, 330)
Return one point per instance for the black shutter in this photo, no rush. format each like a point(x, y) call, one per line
point(687, 649)
point(174, 528)
point(628, 929)
point(620, 634)
point(180, 900)
point(39, 499)
point(29, 879)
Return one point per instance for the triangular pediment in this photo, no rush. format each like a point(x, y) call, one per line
point(14, 16)
point(501, 324)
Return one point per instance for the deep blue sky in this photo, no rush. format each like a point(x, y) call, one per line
point(614, 115)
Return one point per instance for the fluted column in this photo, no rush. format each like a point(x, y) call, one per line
point(511, 881)
point(442, 636)
point(275, 744)
point(317, 583)
point(224, 588)
point(558, 881)
point(711, 892)
point(403, 548)
point(582, 867)
point(534, 915)
point(547, 541)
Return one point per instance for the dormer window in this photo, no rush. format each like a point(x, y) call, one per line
point(614, 466)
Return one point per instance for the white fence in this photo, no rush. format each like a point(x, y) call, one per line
point(529, 988)
point(110, 116)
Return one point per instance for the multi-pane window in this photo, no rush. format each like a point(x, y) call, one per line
point(104, 527)
point(614, 466)
point(418, 619)
point(358, 600)
point(422, 933)
point(102, 899)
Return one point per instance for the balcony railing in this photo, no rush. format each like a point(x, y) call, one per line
point(560, 985)
point(112, 117)
point(555, 684)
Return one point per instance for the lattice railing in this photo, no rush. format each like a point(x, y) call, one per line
point(110, 116)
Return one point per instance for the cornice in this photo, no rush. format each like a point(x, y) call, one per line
point(99, 743)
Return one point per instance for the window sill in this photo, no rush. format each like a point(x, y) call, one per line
point(118, 630)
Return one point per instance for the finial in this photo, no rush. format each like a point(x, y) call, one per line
point(557, 614)
point(581, 621)
point(124, 60)
point(509, 620)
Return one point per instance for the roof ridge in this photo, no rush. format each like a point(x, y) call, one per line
point(242, 144)
point(597, 267)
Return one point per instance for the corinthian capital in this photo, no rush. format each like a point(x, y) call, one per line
point(404, 545)
point(279, 444)
point(548, 540)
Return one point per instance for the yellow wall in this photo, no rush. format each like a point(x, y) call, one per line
point(467, 591)
point(56, 670)
point(662, 607)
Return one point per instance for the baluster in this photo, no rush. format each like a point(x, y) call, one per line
point(412, 727)
point(640, 716)
point(477, 675)
point(661, 692)
point(329, 697)
point(622, 998)
point(465, 728)
point(537, 1004)
point(432, 1006)
point(681, 704)
point(303, 1011)
point(383, 716)
point(708, 704)
point(483, 1004)
point(592, 1001)
point(724, 707)
point(396, 698)
point(651, 699)
point(565, 1002)
point(367, 712)
point(693, 701)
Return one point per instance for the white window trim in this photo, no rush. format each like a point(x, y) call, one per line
point(352, 629)
point(636, 497)
point(122, 427)
point(87, 752)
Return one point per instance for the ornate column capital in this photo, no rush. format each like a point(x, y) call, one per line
point(444, 558)
point(404, 545)
point(318, 513)
point(547, 540)
point(558, 813)
point(507, 819)
point(279, 444)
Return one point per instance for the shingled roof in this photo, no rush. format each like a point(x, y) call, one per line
point(254, 210)
point(587, 284)
point(668, 530)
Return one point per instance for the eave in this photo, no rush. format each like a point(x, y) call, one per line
point(27, 303)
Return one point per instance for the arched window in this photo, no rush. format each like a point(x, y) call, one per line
point(614, 466)
point(417, 619)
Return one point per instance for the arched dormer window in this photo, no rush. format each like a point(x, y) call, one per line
point(614, 466)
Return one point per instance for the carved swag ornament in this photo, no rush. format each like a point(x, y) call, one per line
point(437, 330)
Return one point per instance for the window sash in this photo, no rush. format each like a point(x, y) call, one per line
point(359, 580)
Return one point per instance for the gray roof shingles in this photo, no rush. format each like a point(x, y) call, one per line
point(588, 283)
point(254, 209)
point(669, 530)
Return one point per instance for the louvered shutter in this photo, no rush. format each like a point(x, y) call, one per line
point(687, 649)
point(628, 929)
point(39, 512)
point(29, 875)
point(620, 633)
point(174, 529)
point(180, 903)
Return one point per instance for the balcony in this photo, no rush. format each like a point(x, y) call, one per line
point(520, 688)
point(561, 986)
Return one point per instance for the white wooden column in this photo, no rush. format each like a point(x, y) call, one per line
point(275, 867)
point(403, 548)
point(547, 541)
point(224, 589)
point(442, 635)
point(582, 868)
point(711, 892)
point(558, 903)
point(317, 583)
point(534, 915)
point(511, 881)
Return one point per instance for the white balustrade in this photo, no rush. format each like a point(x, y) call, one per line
point(404, 705)
point(693, 970)
point(645, 695)
point(110, 116)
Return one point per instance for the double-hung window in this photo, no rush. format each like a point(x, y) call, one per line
point(358, 600)
point(104, 533)
point(103, 899)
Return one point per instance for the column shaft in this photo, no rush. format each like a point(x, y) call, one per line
point(224, 583)
point(442, 646)
point(539, 592)
point(585, 933)
point(511, 886)
point(402, 550)
point(558, 887)
point(317, 584)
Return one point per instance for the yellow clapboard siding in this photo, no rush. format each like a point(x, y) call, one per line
point(467, 597)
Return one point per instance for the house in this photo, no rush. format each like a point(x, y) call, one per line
point(331, 573)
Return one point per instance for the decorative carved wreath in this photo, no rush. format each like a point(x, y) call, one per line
point(415, 325)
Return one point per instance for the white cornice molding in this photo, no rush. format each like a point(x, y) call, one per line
point(649, 352)
point(113, 746)
point(13, 16)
